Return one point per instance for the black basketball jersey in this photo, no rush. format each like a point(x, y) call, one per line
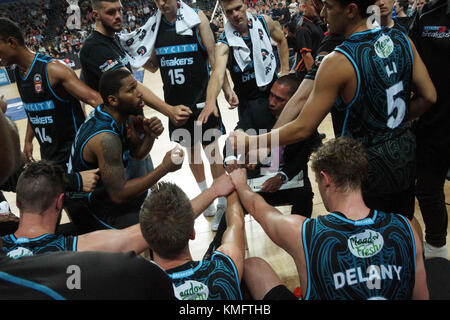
point(371, 258)
point(183, 63)
point(215, 279)
point(16, 248)
point(377, 115)
point(245, 85)
point(54, 120)
point(98, 203)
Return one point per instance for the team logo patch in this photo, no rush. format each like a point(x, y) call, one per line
point(264, 54)
point(141, 51)
point(237, 34)
point(129, 42)
point(143, 34)
point(365, 244)
point(250, 23)
point(192, 290)
point(384, 46)
point(19, 252)
point(261, 34)
point(38, 83)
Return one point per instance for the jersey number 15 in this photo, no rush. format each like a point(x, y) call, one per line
point(176, 76)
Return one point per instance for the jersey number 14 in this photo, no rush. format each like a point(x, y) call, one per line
point(41, 135)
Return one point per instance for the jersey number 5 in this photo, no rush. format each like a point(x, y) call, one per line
point(394, 119)
point(176, 76)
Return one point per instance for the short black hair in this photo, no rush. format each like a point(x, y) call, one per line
point(362, 6)
point(96, 4)
point(291, 81)
point(8, 28)
point(110, 82)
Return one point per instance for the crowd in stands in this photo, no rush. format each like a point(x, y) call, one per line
point(34, 17)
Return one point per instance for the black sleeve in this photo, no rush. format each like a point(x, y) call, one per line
point(327, 45)
point(74, 182)
point(95, 61)
point(303, 40)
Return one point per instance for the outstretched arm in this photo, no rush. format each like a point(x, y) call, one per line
point(215, 83)
point(233, 239)
point(283, 230)
point(295, 104)
point(335, 72)
point(59, 73)
point(107, 148)
point(221, 187)
point(124, 240)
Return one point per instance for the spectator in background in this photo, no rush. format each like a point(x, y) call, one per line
point(285, 14)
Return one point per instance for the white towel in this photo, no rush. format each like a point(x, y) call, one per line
point(263, 58)
point(139, 44)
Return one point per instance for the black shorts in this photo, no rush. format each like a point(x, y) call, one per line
point(280, 292)
point(190, 133)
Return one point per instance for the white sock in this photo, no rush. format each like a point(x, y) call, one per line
point(222, 201)
point(202, 185)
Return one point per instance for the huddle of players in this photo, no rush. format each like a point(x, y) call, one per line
point(111, 126)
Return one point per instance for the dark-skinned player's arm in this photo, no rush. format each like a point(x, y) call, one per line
point(61, 74)
point(10, 156)
point(106, 149)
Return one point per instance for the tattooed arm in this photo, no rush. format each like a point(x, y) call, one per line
point(107, 148)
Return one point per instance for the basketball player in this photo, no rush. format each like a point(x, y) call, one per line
point(107, 140)
point(168, 229)
point(373, 88)
point(354, 252)
point(185, 77)
point(50, 92)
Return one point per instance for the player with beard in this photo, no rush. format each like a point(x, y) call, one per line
point(107, 140)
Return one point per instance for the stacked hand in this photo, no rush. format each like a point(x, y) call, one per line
point(239, 178)
point(239, 140)
point(223, 185)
